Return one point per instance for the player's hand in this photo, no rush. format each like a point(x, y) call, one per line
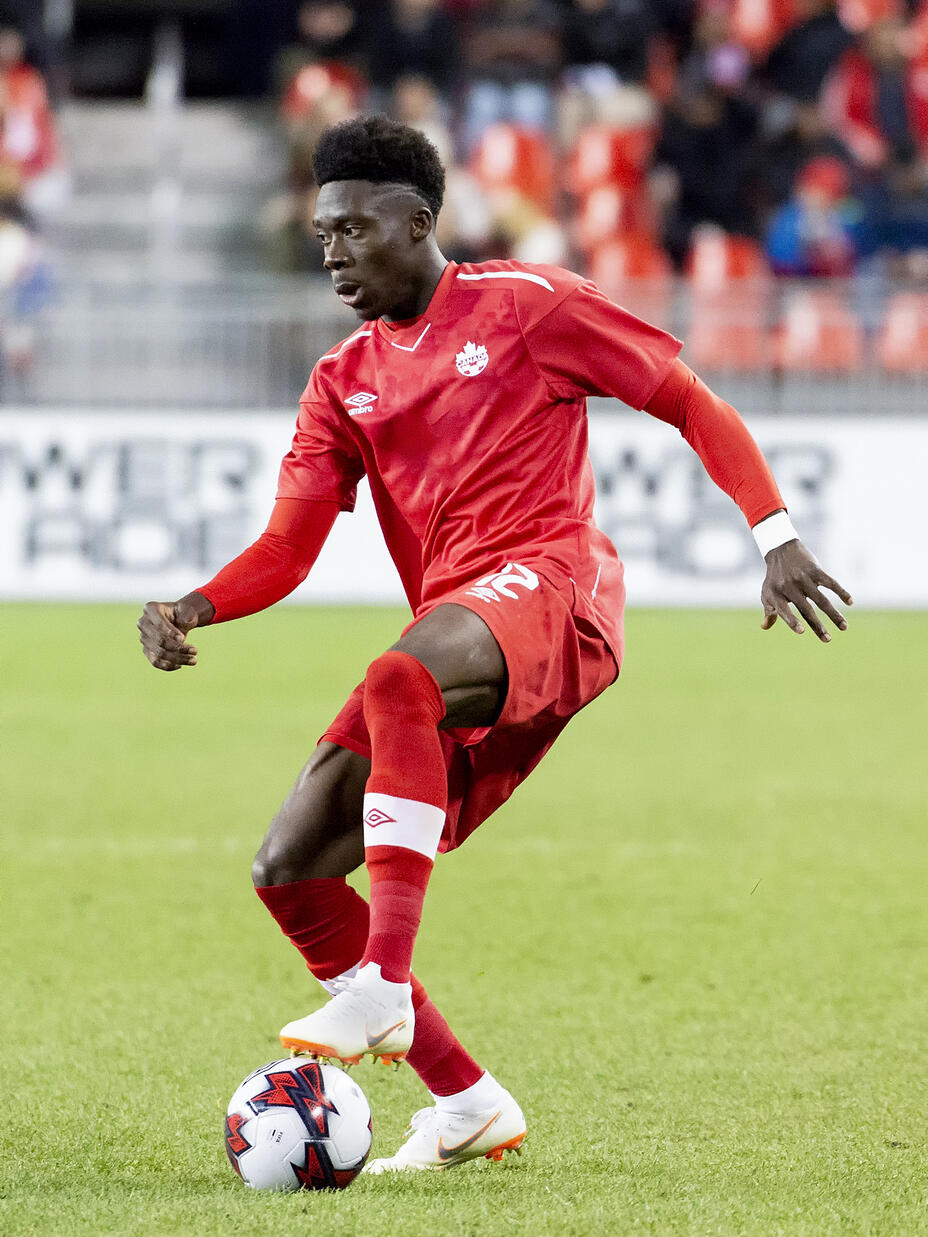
point(163, 630)
point(795, 578)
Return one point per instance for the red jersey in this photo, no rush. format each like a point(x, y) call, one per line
point(470, 424)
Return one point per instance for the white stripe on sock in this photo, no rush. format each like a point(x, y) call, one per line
point(390, 821)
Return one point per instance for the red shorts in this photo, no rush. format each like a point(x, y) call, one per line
point(556, 663)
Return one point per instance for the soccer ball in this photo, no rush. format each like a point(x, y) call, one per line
point(298, 1125)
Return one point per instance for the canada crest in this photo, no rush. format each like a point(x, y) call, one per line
point(472, 359)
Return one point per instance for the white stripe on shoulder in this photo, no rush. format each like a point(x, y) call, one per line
point(539, 279)
point(352, 339)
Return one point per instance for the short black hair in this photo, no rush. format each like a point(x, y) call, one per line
point(383, 151)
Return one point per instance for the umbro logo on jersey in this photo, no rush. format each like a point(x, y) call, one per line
point(471, 360)
point(360, 403)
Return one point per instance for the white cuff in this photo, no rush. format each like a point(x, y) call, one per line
point(391, 821)
point(774, 531)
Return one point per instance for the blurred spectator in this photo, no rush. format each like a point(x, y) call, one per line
point(801, 61)
point(610, 34)
point(869, 97)
point(327, 31)
point(27, 128)
point(465, 223)
point(847, 107)
point(27, 17)
point(412, 37)
point(814, 233)
point(321, 82)
point(25, 285)
point(417, 102)
point(896, 218)
point(795, 133)
point(513, 52)
point(707, 143)
point(715, 57)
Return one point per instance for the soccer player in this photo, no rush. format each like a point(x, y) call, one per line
point(462, 398)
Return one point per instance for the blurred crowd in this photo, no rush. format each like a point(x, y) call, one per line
point(634, 137)
point(32, 186)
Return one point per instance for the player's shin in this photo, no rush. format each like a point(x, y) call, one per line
point(437, 1056)
point(325, 919)
point(404, 805)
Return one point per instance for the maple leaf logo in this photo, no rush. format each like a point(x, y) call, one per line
point(472, 359)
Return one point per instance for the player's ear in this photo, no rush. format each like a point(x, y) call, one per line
point(421, 223)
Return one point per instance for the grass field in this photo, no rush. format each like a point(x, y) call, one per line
point(695, 945)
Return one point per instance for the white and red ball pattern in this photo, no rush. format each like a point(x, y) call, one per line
point(298, 1125)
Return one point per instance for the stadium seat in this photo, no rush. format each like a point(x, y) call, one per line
point(729, 285)
point(732, 337)
point(635, 272)
point(717, 259)
point(608, 212)
point(510, 157)
point(902, 346)
point(818, 334)
point(312, 84)
point(603, 155)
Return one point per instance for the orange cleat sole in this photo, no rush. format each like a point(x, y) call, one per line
point(323, 1052)
point(514, 1144)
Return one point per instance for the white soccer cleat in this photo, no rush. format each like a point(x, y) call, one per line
point(440, 1139)
point(369, 1015)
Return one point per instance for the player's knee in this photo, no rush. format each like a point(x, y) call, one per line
point(399, 683)
point(276, 863)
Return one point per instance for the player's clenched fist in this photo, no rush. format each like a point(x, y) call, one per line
point(163, 630)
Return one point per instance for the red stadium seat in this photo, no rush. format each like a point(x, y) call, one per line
point(607, 213)
point(603, 155)
point(634, 271)
point(819, 334)
point(717, 259)
point(730, 337)
point(903, 343)
point(310, 86)
point(509, 157)
point(729, 287)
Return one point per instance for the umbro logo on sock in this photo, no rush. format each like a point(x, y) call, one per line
point(376, 817)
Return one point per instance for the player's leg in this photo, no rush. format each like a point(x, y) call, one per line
point(298, 873)
point(406, 798)
point(449, 650)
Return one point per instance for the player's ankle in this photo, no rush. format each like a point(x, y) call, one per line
point(485, 1093)
point(370, 976)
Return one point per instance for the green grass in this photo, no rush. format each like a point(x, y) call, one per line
point(695, 944)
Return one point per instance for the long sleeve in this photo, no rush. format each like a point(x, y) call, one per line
point(276, 563)
point(720, 438)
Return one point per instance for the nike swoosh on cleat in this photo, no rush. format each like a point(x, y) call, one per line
point(372, 1042)
point(445, 1153)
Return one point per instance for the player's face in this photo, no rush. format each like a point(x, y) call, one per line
point(370, 237)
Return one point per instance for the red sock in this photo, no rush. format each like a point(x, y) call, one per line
point(404, 804)
point(436, 1055)
point(328, 923)
point(324, 918)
